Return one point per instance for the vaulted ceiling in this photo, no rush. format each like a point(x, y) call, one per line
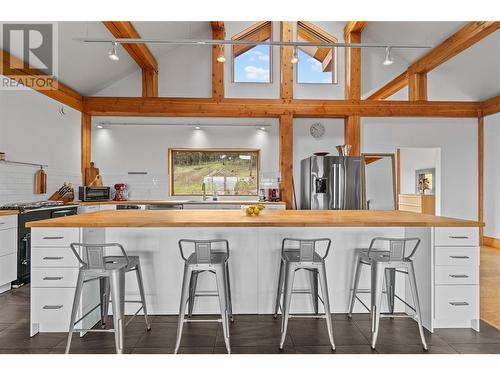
point(472, 75)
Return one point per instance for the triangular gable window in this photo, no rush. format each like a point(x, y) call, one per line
point(316, 64)
point(252, 63)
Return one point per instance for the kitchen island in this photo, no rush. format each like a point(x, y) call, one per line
point(449, 248)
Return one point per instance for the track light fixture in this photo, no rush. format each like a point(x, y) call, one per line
point(388, 58)
point(221, 58)
point(295, 57)
point(113, 54)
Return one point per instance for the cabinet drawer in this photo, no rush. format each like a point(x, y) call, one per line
point(456, 236)
point(8, 268)
point(415, 200)
point(54, 277)
point(456, 306)
point(93, 235)
point(53, 257)
point(8, 241)
point(457, 256)
point(51, 308)
point(54, 237)
point(453, 275)
point(8, 221)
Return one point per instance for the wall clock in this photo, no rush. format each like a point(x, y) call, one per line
point(317, 130)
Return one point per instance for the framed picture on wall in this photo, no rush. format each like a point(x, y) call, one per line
point(425, 181)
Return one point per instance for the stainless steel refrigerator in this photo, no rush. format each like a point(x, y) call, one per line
point(331, 183)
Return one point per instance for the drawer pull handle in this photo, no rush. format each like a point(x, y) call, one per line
point(460, 276)
point(53, 258)
point(459, 237)
point(53, 278)
point(459, 303)
point(459, 257)
point(54, 238)
point(52, 307)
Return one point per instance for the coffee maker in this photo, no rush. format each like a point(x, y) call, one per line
point(119, 192)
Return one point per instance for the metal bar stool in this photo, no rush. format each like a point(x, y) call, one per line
point(110, 271)
point(385, 264)
point(297, 254)
point(205, 257)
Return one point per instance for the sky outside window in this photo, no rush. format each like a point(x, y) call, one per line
point(253, 65)
point(309, 70)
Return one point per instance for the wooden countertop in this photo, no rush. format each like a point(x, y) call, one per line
point(8, 212)
point(140, 202)
point(238, 218)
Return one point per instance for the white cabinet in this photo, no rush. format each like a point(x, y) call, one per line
point(456, 278)
point(8, 251)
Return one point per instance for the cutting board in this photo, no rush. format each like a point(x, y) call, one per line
point(40, 182)
point(90, 174)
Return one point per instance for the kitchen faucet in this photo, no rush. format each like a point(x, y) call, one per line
point(204, 190)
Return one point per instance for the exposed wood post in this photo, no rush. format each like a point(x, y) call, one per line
point(149, 83)
point(218, 32)
point(417, 86)
point(86, 143)
point(352, 133)
point(398, 176)
point(480, 173)
point(286, 53)
point(286, 159)
point(140, 53)
point(352, 124)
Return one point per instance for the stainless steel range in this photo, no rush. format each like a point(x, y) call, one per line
point(33, 211)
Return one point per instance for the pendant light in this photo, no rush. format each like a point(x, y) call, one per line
point(113, 53)
point(388, 58)
point(295, 57)
point(221, 58)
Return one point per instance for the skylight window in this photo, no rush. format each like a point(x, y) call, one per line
point(252, 63)
point(316, 64)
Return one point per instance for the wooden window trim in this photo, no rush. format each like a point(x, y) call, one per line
point(253, 33)
point(171, 151)
point(309, 32)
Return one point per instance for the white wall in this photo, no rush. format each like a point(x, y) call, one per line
point(492, 175)
point(413, 159)
point(457, 140)
point(32, 130)
point(144, 148)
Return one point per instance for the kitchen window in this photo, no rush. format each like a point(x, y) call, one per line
point(252, 63)
point(230, 172)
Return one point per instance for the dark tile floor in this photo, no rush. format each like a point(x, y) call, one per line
point(250, 334)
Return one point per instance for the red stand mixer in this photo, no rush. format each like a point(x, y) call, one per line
point(119, 192)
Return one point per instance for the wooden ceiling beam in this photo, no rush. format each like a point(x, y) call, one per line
point(354, 27)
point(391, 87)
point(140, 53)
point(38, 81)
point(218, 32)
point(258, 32)
point(467, 36)
point(491, 106)
point(207, 107)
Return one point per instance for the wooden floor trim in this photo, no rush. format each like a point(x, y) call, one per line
point(491, 241)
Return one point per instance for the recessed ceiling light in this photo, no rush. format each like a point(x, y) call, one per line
point(197, 127)
point(262, 128)
point(113, 53)
point(100, 126)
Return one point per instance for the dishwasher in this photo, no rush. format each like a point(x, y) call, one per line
point(165, 206)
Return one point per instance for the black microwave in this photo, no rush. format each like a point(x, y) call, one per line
point(94, 194)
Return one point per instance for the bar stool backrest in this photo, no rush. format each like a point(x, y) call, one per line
point(94, 254)
point(398, 247)
point(203, 249)
point(306, 247)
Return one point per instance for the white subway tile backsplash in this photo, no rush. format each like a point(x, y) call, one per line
point(17, 183)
